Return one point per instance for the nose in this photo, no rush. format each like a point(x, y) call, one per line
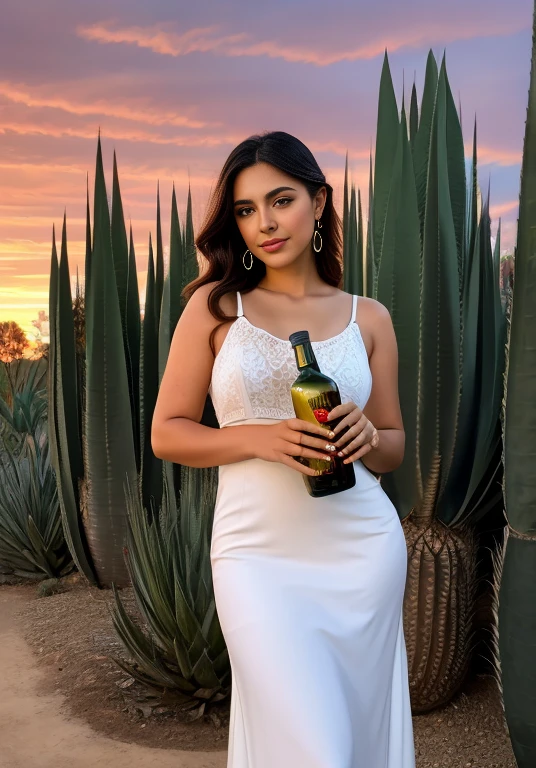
point(267, 223)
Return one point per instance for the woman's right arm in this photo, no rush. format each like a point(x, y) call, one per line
point(176, 433)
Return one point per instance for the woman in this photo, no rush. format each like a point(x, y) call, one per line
point(308, 590)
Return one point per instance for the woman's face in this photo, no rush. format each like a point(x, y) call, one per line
point(271, 205)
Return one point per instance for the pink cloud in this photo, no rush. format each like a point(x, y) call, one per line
point(206, 39)
point(147, 113)
point(502, 209)
point(494, 155)
point(158, 40)
point(90, 132)
point(44, 171)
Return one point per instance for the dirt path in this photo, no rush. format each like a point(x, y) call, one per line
point(36, 733)
point(62, 703)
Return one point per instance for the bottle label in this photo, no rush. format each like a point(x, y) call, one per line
point(321, 414)
point(321, 405)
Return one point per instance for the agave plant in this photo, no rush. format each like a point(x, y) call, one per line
point(27, 412)
point(103, 379)
point(32, 545)
point(105, 368)
point(21, 374)
point(430, 261)
point(517, 597)
point(352, 230)
point(168, 557)
point(65, 399)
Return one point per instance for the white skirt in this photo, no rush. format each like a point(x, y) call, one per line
point(309, 595)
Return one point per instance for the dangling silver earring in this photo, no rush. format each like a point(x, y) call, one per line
point(317, 250)
point(244, 259)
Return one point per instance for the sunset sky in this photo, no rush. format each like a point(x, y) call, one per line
point(174, 86)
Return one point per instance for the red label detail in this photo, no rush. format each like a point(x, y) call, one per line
point(321, 414)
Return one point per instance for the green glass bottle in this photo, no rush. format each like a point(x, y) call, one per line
point(314, 395)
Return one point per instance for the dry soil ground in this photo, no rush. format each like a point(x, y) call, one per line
point(65, 704)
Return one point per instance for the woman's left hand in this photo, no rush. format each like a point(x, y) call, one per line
point(361, 436)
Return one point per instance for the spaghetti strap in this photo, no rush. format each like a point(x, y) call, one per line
point(354, 307)
point(239, 311)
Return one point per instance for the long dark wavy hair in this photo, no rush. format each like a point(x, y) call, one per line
point(220, 240)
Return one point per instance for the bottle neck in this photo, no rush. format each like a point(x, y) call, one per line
point(305, 357)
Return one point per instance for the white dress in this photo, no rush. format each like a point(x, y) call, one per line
point(308, 590)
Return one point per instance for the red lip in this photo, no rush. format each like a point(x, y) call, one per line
point(273, 242)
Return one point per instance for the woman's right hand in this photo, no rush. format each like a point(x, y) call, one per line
point(293, 437)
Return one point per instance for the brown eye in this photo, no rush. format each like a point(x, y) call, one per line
point(242, 211)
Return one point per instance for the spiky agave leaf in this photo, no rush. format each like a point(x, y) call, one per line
point(27, 412)
point(386, 144)
point(64, 410)
point(399, 290)
point(439, 364)
point(87, 261)
point(159, 266)
point(370, 269)
point(176, 267)
point(191, 267)
point(22, 373)
point(124, 261)
point(151, 467)
point(170, 309)
point(32, 544)
point(413, 115)
point(169, 564)
point(360, 246)
point(345, 214)
point(475, 469)
point(354, 249)
point(456, 171)
point(471, 226)
point(119, 247)
point(421, 142)
point(109, 442)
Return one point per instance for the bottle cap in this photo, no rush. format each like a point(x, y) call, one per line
point(299, 337)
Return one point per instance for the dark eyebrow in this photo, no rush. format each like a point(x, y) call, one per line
point(267, 196)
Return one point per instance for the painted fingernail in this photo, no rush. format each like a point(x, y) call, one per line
point(331, 434)
point(340, 453)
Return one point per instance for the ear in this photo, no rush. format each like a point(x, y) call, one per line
point(320, 201)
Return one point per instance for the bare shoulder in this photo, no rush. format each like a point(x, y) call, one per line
point(374, 322)
point(197, 313)
point(197, 306)
point(184, 388)
point(373, 309)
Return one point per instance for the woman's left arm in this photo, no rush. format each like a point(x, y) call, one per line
point(383, 405)
point(375, 434)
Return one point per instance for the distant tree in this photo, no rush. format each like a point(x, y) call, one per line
point(13, 342)
point(40, 340)
point(42, 325)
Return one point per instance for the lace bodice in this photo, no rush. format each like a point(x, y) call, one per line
point(253, 371)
